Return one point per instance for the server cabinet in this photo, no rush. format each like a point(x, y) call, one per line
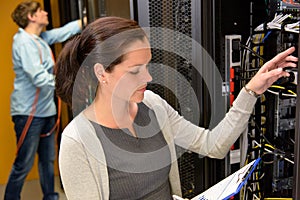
point(92, 9)
point(182, 38)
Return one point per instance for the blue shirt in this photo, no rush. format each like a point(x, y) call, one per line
point(33, 67)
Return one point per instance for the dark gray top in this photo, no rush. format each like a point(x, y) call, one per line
point(138, 167)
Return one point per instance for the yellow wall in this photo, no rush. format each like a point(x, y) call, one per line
point(7, 135)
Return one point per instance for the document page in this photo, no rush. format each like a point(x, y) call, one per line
point(229, 186)
point(233, 184)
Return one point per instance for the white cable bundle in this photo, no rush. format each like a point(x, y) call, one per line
point(277, 22)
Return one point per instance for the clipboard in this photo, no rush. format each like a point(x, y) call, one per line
point(229, 186)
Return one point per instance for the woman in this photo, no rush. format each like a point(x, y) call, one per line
point(32, 107)
point(122, 145)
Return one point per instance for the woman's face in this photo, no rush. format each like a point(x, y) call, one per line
point(41, 17)
point(128, 80)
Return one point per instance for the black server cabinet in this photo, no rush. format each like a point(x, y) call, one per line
point(296, 186)
point(72, 10)
point(188, 26)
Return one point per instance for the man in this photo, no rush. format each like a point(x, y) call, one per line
point(33, 108)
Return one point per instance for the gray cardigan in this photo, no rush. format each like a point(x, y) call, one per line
point(82, 162)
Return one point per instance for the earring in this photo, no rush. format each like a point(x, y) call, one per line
point(104, 82)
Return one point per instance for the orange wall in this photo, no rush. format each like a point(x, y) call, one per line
point(7, 134)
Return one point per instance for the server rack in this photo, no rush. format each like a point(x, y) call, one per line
point(171, 21)
point(296, 186)
point(272, 132)
point(210, 22)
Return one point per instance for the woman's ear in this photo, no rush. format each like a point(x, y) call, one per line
point(30, 17)
point(99, 71)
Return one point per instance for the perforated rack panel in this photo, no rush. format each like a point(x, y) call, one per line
point(175, 15)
